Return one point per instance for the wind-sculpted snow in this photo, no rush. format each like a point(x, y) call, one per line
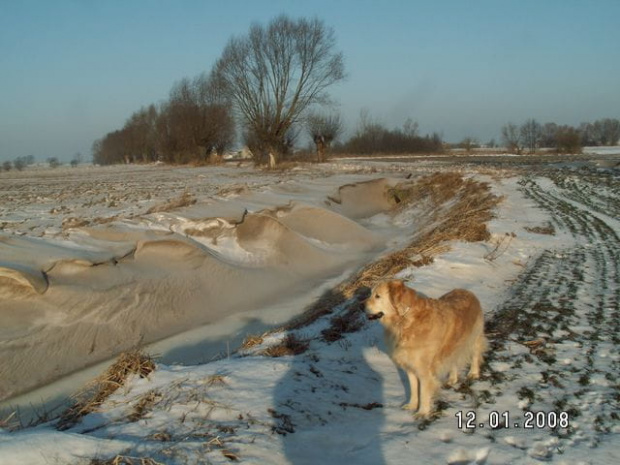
point(74, 298)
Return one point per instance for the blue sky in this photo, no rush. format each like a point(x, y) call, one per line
point(71, 71)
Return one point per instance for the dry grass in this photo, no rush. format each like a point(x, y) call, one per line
point(216, 380)
point(73, 222)
point(290, 345)
point(251, 341)
point(458, 210)
point(438, 188)
point(182, 201)
point(144, 405)
point(94, 396)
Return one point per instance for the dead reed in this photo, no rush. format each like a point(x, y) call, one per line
point(144, 406)
point(94, 395)
point(290, 345)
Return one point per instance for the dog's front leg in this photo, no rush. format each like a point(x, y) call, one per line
point(414, 386)
point(454, 376)
point(428, 388)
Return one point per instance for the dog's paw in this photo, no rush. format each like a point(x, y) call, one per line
point(423, 416)
point(410, 406)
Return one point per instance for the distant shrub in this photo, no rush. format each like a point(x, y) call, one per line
point(76, 160)
point(19, 163)
point(53, 162)
point(568, 140)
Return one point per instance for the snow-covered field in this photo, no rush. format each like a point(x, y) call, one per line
point(548, 280)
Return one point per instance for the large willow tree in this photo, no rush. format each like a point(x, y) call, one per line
point(274, 74)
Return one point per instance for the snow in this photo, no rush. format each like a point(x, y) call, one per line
point(340, 402)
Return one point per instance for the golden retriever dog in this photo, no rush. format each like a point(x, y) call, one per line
point(429, 338)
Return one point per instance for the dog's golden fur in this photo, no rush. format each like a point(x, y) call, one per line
point(429, 338)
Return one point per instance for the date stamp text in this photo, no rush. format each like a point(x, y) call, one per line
point(470, 420)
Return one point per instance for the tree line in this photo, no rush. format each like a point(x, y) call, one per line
point(193, 124)
point(20, 163)
point(532, 135)
point(267, 82)
point(371, 137)
point(271, 85)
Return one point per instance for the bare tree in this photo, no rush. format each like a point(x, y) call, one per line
point(215, 124)
point(140, 131)
point(531, 133)
point(511, 137)
point(606, 131)
point(274, 74)
point(369, 134)
point(548, 135)
point(410, 128)
point(323, 130)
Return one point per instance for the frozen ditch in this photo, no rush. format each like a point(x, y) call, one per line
point(188, 281)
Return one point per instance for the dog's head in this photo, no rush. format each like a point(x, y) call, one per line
point(387, 300)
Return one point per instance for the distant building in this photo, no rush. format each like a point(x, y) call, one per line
point(244, 154)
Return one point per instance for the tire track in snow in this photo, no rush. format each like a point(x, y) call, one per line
point(560, 329)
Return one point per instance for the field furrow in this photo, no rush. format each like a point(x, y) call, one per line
point(559, 330)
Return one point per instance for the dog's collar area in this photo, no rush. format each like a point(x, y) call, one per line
point(375, 316)
point(406, 311)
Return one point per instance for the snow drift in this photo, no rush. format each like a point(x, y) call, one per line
point(69, 302)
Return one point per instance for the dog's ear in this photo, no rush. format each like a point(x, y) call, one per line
point(396, 289)
point(401, 297)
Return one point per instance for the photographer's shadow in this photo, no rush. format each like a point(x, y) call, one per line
point(329, 404)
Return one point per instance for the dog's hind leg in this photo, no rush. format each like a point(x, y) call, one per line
point(479, 347)
point(414, 386)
